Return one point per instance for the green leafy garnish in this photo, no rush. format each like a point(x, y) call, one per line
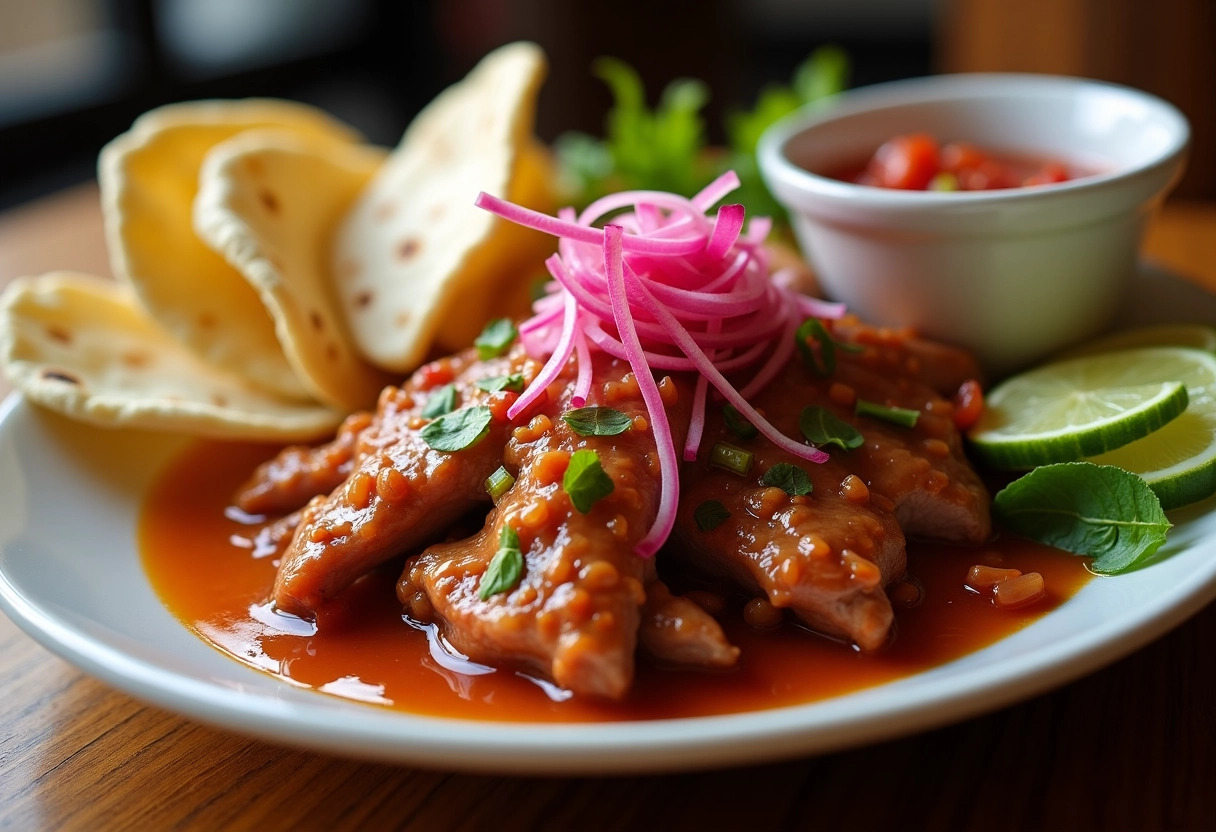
point(1097, 510)
point(667, 148)
point(709, 515)
point(514, 383)
point(586, 481)
point(822, 427)
point(820, 358)
point(506, 567)
point(901, 416)
point(789, 478)
point(441, 402)
point(738, 425)
point(496, 338)
point(731, 458)
point(597, 421)
point(499, 483)
point(459, 429)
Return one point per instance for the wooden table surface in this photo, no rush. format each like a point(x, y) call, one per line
point(1132, 747)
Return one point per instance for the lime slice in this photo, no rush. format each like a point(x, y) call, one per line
point(1081, 407)
point(1197, 336)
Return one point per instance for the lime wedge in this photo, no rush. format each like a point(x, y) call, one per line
point(1197, 336)
point(1082, 407)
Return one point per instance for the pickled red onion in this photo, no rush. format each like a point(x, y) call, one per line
point(664, 286)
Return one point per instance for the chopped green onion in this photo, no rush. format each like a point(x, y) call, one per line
point(731, 458)
point(823, 361)
point(440, 403)
point(514, 383)
point(738, 424)
point(597, 421)
point(586, 481)
point(901, 416)
point(789, 478)
point(709, 515)
point(506, 567)
point(494, 340)
point(822, 427)
point(458, 430)
point(499, 482)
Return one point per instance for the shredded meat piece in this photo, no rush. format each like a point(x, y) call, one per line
point(676, 631)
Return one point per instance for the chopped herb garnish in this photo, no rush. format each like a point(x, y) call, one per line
point(495, 338)
point(586, 481)
point(738, 425)
point(822, 427)
point(458, 430)
point(514, 383)
point(731, 458)
point(709, 515)
point(498, 483)
point(597, 421)
point(1096, 510)
point(440, 403)
point(789, 478)
point(506, 567)
point(820, 358)
point(901, 416)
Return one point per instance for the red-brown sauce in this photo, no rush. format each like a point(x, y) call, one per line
point(199, 557)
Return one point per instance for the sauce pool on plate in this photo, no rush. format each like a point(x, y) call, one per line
point(201, 559)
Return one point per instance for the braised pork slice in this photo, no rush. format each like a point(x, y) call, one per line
point(676, 631)
point(400, 493)
point(827, 555)
point(575, 613)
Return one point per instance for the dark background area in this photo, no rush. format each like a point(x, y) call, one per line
point(77, 72)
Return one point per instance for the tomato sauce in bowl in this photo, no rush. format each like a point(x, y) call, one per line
point(201, 559)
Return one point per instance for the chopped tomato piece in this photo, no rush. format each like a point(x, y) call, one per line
point(968, 404)
point(906, 162)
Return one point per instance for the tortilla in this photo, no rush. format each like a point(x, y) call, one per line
point(149, 177)
point(269, 203)
point(82, 346)
point(414, 254)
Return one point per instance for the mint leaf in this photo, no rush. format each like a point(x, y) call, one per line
point(506, 567)
point(597, 421)
point(514, 383)
point(585, 480)
point(1096, 510)
point(441, 402)
point(789, 478)
point(496, 338)
point(458, 430)
point(738, 425)
point(822, 427)
point(709, 515)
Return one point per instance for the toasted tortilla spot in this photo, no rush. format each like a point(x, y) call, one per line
point(136, 360)
point(332, 352)
point(59, 334)
point(408, 248)
point(403, 318)
point(363, 299)
point(349, 269)
point(314, 318)
point(218, 400)
point(269, 201)
point(207, 320)
point(384, 211)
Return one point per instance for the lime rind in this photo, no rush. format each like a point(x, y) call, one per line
point(1094, 422)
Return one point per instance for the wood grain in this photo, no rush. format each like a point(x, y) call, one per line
point(1132, 747)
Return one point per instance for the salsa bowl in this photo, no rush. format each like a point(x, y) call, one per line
point(1012, 274)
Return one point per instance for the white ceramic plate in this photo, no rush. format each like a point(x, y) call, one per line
point(70, 576)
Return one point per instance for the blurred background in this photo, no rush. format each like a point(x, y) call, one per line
point(75, 73)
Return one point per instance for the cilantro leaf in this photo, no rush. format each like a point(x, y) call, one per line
point(441, 402)
point(789, 478)
point(586, 481)
point(1087, 509)
point(738, 424)
point(709, 515)
point(506, 567)
point(597, 421)
point(496, 338)
point(458, 430)
point(514, 383)
point(822, 427)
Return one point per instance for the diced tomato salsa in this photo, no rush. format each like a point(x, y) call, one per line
point(919, 162)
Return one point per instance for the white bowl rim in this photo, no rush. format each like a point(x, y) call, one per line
point(776, 165)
